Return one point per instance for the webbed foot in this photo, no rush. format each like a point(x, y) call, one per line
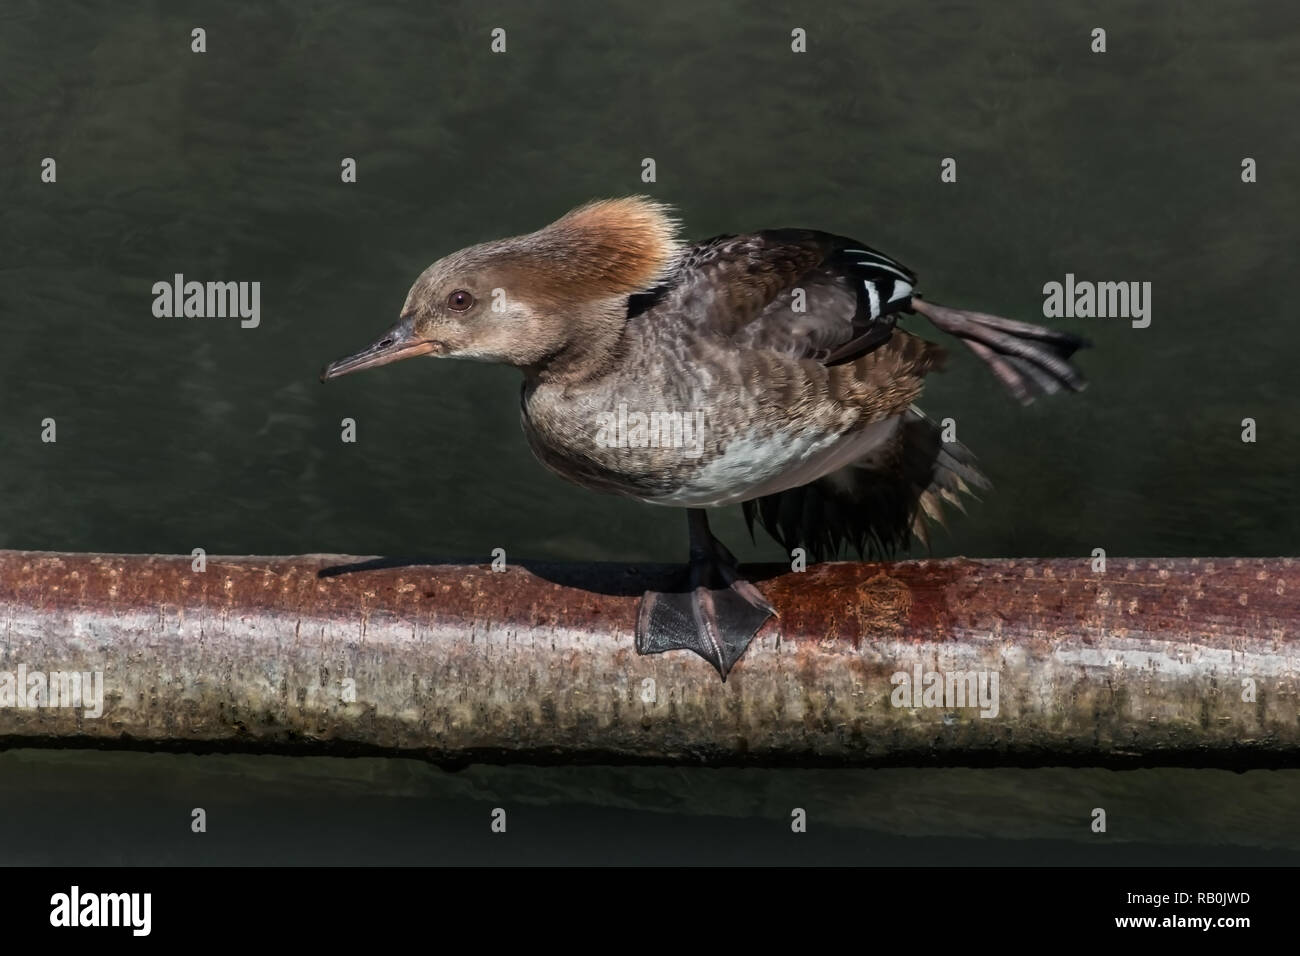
point(716, 617)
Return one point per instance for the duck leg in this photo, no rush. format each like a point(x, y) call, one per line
point(716, 617)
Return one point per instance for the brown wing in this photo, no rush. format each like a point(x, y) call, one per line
point(798, 292)
point(724, 283)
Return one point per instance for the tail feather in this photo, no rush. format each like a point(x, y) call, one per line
point(1028, 359)
point(874, 506)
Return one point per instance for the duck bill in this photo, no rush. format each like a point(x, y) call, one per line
point(399, 342)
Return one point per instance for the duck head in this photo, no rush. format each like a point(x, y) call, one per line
point(543, 302)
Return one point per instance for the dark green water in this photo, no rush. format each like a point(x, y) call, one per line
point(183, 433)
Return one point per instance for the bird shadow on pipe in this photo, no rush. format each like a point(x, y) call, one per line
point(617, 580)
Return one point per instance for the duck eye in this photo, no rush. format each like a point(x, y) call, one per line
point(459, 301)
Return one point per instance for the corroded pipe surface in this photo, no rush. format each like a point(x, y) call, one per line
point(1191, 661)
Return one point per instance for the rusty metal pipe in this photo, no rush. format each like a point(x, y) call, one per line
point(1152, 661)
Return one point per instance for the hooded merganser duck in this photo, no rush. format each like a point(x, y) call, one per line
point(764, 369)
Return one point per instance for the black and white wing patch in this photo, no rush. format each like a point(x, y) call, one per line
point(885, 289)
point(887, 284)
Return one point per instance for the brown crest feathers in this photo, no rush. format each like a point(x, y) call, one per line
point(604, 248)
